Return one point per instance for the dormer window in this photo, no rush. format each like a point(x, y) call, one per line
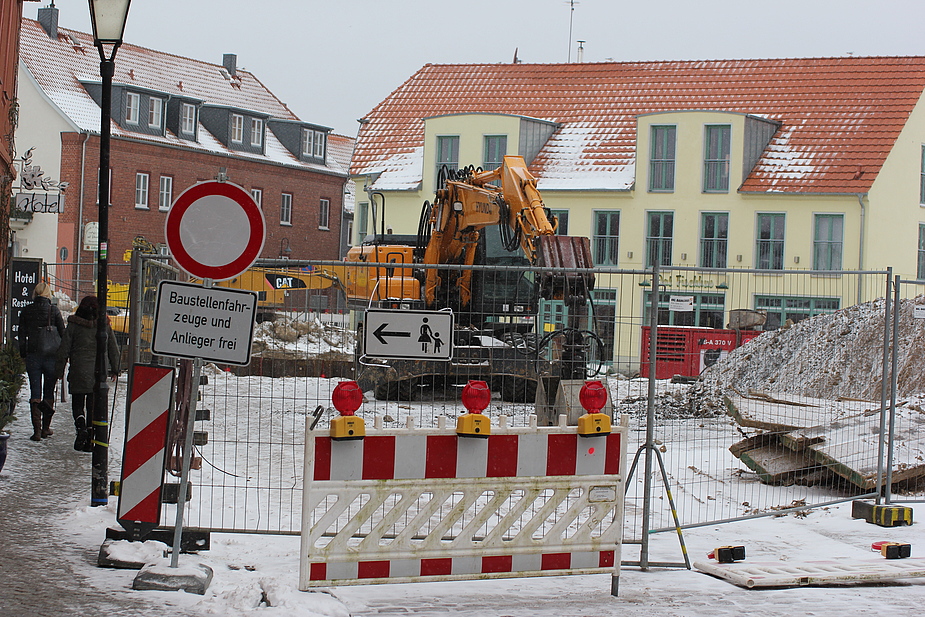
point(308, 142)
point(319, 144)
point(132, 107)
point(256, 132)
point(155, 112)
point(237, 128)
point(716, 158)
point(188, 119)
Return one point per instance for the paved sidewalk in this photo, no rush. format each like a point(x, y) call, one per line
point(41, 571)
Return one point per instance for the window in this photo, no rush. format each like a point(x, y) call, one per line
point(447, 153)
point(714, 236)
point(256, 132)
point(922, 179)
point(285, 209)
point(495, 149)
point(132, 106)
point(920, 272)
point(606, 237)
point(155, 112)
point(716, 158)
point(662, 160)
point(770, 248)
point(708, 310)
point(188, 119)
point(658, 238)
point(237, 128)
point(308, 141)
point(827, 242)
point(319, 144)
point(362, 221)
point(562, 216)
point(780, 309)
point(324, 214)
point(165, 197)
point(257, 194)
point(141, 190)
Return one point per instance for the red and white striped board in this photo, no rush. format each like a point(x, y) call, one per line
point(404, 505)
point(147, 415)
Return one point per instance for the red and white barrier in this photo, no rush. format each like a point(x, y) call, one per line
point(427, 504)
point(150, 394)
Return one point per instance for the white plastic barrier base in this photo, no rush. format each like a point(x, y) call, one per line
point(412, 504)
point(789, 574)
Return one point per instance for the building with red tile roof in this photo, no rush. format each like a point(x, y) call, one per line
point(175, 121)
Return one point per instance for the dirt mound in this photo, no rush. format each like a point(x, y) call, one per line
point(827, 356)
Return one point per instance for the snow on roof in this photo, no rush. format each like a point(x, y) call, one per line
point(839, 117)
point(61, 66)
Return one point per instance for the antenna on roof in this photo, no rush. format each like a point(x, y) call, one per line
point(571, 16)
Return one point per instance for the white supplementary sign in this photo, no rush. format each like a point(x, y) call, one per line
point(212, 323)
point(684, 304)
point(411, 335)
point(91, 236)
point(918, 312)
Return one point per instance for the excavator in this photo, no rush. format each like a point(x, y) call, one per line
point(479, 221)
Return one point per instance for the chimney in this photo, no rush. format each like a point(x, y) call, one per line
point(48, 18)
point(581, 51)
point(230, 62)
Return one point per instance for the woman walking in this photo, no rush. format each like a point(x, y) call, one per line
point(40, 330)
point(78, 346)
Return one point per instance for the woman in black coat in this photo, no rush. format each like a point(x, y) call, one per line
point(78, 346)
point(40, 364)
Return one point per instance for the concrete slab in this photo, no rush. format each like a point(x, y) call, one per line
point(190, 577)
point(787, 413)
point(129, 555)
point(813, 573)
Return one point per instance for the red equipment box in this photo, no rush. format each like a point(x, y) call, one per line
point(688, 350)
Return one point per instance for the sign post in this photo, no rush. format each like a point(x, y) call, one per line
point(215, 231)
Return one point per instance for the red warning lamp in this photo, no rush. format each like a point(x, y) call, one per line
point(593, 396)
point(347, 397)
point(476, 396)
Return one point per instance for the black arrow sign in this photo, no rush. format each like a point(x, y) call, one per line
point(381, 333)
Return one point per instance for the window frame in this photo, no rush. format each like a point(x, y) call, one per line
point(451, 164)
point(308, 142)
point(709, 309)
point(320, 142)
point(155, 112)
point(662, 165)
point(562, 216)
point(165, 189)
point(714, 249)
point(607, 243)
point(257, 196)
point(285, 209)
point(920, 269)
point(236, 132)
point(257, 132)
point(922, 179)
point(188, 119)
point(784, 309)
point(132, 108)
point(826, 251)
point(775, 246)
point(324, 214)
point(716, 158)
point(659, 246)
point(142, 183)
point(493, 150)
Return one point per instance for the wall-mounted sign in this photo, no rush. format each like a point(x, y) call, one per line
point(91, 236)
point(40, 202)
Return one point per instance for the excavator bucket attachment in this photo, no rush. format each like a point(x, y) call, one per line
point(565, 253)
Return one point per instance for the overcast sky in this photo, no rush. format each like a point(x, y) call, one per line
point(332, 62)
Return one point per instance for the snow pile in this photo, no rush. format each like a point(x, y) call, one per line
point(288, 335)
point(827, 356)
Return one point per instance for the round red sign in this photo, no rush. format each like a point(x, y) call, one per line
point(215, 230)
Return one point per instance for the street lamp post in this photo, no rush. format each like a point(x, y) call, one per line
point(108, 17)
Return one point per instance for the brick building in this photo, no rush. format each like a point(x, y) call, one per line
point(175, 122)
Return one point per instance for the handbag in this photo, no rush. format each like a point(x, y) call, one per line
point(48, 340)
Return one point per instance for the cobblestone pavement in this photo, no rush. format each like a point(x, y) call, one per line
point(40, 569)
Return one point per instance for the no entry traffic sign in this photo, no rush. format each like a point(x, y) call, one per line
point(214, 230)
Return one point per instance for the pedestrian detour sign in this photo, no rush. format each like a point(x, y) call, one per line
point(408, 335)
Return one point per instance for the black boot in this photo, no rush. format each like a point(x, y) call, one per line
point(36, 414)
point(83, 435)
point(48, 410)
